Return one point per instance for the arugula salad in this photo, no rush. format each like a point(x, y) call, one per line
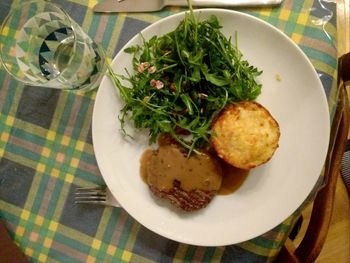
point(183, 79)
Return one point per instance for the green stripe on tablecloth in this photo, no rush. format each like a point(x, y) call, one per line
point(34, 131)
point(63, 111)
point(23, 160)
point(186, 253)
point(108, 33)
point(9, 107)
point(5, 130)
point(317, 33)
point(314, 54)
point(209, 254)
point(17, 143)
point(266, 243)
point(5, 94)
point(31, 233)
point(10, 214)
point(189, 253)
point(130, 241)
point(61, 200)
point(80, 108)
point(37, 193)
point(258, 245)
point(111, 224)
point(113, 33)
point(98, 247)
point(104, 37)
point(56, 196)
point(91, 26)
point(82, 246)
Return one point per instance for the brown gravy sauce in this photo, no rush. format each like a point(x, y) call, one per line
point(232, 178)
point(161, 167)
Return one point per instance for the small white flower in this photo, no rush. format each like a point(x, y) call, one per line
point(202, 95)
point(153, 82)
point(157, 84)
point(143, 66)
point(140, 68)
point(152, 69)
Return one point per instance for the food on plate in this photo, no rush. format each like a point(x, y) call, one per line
point(232, 178)
point(245, 134)
point(183, 79)
point(189, 183)
point(186, 200)
point(184, 84)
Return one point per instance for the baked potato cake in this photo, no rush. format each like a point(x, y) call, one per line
point(245, 134)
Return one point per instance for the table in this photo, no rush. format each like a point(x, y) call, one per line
point(46, 151)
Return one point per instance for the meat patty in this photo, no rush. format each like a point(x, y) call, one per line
point(245, 135)
point(186, 200)
point(189, 183)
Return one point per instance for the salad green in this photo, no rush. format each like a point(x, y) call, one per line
point(183, 79)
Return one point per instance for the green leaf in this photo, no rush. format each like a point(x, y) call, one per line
point(201, 70)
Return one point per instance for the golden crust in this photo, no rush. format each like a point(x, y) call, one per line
point(245, 135)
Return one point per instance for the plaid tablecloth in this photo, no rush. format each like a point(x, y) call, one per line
point(46, 151)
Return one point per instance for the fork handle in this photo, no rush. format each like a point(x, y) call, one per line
point(222, 3)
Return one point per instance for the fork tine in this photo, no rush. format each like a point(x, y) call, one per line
point(89, 188)
point(90, 202)
point(97, 193)
point(94, 195)
point(90, 191)
point(91, 197)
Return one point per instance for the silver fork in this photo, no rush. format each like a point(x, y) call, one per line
point(95, 195)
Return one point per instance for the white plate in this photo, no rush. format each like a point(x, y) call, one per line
point(271, 192)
